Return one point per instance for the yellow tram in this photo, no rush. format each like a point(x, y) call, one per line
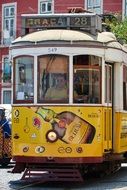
point(69, 114)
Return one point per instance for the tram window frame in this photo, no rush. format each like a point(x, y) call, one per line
point(108, 83)
point(91, 86)
point(23, 80)
point(49, 70)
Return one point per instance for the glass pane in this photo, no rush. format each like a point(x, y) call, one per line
point(126, 9)
point(87, 79)
point(12, 11)
point(108, 83)
point(97, 2)
point(49, 7)
point(7, 71)
point(7, 24)
point(43, 7)
point(53, 79)
point(24, 78)
point(12, 27)
point(7, 97)
point(89, 3)
point(12, 23)
point(6, 10)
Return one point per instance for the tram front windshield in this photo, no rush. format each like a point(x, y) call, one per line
point(53, 79)
point(54, 75)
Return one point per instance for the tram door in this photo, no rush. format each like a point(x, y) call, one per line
point(108, 107)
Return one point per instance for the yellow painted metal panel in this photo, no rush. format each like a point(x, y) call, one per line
point(120, 132)
point(75, 127)
point(107, 128)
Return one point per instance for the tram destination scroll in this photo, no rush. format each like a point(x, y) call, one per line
point(90, 23)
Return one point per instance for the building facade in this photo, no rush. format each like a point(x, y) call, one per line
point(10, 26)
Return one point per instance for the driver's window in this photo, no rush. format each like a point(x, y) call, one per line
point(24, 79)
point(53, 79)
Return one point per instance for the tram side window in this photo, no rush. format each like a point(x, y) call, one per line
point(87, 79)
point(108, 83)
point(125, 87)
point(53, 79)
point(23, 79)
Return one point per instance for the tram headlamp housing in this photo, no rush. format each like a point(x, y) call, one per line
point(51, 136)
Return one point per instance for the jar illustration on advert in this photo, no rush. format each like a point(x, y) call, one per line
point(67, 126)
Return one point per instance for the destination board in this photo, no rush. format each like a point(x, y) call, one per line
point(89, 22)
point(58, 22)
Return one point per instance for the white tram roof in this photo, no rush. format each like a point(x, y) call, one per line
point(103, 39)
point(65, 35)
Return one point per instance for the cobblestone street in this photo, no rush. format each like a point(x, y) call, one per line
point(117, 181)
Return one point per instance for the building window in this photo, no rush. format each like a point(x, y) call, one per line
point(8, 23)
point(45, 6)
point(125, 8)
point(94, 6)
point(6, 70)
point(6, 96)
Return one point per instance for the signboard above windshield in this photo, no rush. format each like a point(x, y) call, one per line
point(86, 22)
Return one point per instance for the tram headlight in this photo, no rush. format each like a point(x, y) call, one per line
point(51, 136)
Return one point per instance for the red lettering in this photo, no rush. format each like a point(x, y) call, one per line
point(75, 131)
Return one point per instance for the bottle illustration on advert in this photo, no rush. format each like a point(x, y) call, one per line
point(67, 126)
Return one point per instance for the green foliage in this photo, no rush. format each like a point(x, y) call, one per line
point(118, 27)
point(120, 30)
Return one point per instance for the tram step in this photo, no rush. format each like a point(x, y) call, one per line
point(48, 175)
